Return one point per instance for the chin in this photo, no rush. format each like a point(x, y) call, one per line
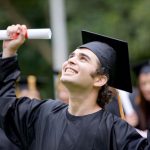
point(69, 82)
point(65, 79)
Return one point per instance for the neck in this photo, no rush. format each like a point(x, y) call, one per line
point(83, 103)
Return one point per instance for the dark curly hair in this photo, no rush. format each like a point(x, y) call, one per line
point(105, 94)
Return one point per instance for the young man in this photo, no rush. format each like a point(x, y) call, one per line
point(83, 124)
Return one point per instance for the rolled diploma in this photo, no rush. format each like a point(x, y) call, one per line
point(124, 96)
point(31, 34)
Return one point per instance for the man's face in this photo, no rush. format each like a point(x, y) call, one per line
point(144, 84)
point(78, 68)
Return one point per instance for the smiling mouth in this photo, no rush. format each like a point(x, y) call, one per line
point(70, 70)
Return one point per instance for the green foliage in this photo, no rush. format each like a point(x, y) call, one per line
point(127, 20)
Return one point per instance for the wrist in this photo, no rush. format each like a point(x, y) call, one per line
point(7, 53)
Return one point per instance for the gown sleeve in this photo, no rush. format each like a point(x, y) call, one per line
point(126, 137)
point(16, 115)
point(5, 143)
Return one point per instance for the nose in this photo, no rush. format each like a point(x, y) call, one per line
point(72, 60)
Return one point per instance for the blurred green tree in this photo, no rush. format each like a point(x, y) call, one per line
point(127, 20)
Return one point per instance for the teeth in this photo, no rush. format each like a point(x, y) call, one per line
point(70, 70)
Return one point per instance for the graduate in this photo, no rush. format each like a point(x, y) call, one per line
point(140, 98)
point(83, 124)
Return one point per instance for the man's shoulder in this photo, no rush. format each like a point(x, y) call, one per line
point(110, 118)
point(54, 105)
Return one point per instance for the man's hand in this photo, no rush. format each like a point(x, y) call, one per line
point(17, 38)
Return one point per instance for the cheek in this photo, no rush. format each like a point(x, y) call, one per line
point(144, 82)
point(64, 64)
point(88, 74)
point(145, 88)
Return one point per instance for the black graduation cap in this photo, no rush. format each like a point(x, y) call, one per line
point(113, 55)
point(142, 67)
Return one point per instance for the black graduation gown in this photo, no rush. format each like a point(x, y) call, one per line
point(113, 107)
point(47, 125)
point(5, 143)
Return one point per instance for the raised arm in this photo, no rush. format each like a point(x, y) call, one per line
point(17, 38)
point(16, 116)
point(8, 60)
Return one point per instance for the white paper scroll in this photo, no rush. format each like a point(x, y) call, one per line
point(31, 34)
point(124, 96)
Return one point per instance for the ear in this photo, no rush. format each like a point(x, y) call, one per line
point(100, 80)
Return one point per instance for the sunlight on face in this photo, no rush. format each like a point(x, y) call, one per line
point(79, 67)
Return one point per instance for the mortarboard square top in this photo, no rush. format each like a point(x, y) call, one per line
point(142, 67)
point(113, 55)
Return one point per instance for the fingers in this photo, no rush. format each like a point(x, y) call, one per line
point(14, 31)
point(24, 30)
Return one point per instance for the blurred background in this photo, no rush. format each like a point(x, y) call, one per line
point(127, 20)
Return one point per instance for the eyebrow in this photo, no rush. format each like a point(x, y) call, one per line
point(80, 54)
point(71, 54)
point(84, 55)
